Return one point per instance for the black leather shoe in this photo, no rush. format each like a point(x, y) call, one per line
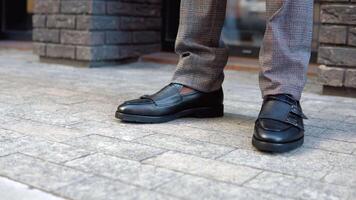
point(169, 104)
point(279, 127)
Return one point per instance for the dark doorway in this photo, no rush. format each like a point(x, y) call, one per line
point(170, 24)
point(16, 23)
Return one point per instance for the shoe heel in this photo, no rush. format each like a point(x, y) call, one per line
point(209, 112)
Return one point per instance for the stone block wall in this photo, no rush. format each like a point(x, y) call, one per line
point(95, 32)
point(337, 51)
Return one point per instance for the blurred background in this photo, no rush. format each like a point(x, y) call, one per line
point(243, 30)
point(16, 19)
point(92, 34)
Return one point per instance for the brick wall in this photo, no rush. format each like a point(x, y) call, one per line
point(95, 32)
point(337, 50)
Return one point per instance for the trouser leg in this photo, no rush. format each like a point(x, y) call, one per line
point(285, 52)
point(202, 57)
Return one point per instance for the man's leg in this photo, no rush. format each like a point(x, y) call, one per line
point(284, 58)
point(202, 58)
point(195, 90)
point(285, 53)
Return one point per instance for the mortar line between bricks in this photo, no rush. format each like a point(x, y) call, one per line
point(167, 181)
point(154, 189)
point(251, 167)
point(139, 186)
point(224, 182)
point(327, 173)
point(155, 132)
point(280, 195)
point(252, 178)
point(193, 174)
point(224, 154)
point(318, 181)
point(242, 136)
point(184, 138)
point(153, 156)
point(272, 171)
point(39, 122)
point(88, 173)
point(225, 132)
point(166, 150)
point(80, 157)
point(309, 135)
point(106, 153)
point(116, 179)
point(260, 169)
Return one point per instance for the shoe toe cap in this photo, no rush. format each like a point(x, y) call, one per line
point(134, 107)
point(284, 135)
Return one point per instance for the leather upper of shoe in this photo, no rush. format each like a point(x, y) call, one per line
point(280, 120)
point(169, 100)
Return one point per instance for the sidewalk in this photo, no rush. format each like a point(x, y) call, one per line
point(58, 135)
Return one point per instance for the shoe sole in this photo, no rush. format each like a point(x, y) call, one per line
point(276, 147)
point(203, 112)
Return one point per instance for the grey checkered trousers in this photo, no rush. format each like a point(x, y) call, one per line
point(284, 55)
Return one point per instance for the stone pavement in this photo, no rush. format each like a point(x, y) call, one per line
point(59, 140)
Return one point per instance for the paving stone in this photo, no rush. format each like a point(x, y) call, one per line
point(53, 151)
point(329, 145)
point(353, 195)
point(350, 119)
point(310, 167)
point(297, 187)
point(12, 99)
point(313, 130)
point(237, 139)
point(331, 124)
point(230, 123)
point(93, 115)
point(97, 188)
point(17, 144)
point(147, 194)
point(49, 132)
point(48, 113)
point(344, 109)
point(116, 147)
point(189, 146)
point(242, 109)
point(112, 128)
point(8, 135)
point(342, 176)
point(48, 104)
point(11, 190)
point(327, 115)
point(94, 188)
point(58, 92)
point(191, 187)
point(128, 171)
point(346, 136)
point(204, 167)
point(334, 159)
point(58, 100)
point(38, 173)
point(99, 106)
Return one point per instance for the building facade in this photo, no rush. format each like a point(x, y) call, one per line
point(100, 32)
point(95, 32)
point(337, 49)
